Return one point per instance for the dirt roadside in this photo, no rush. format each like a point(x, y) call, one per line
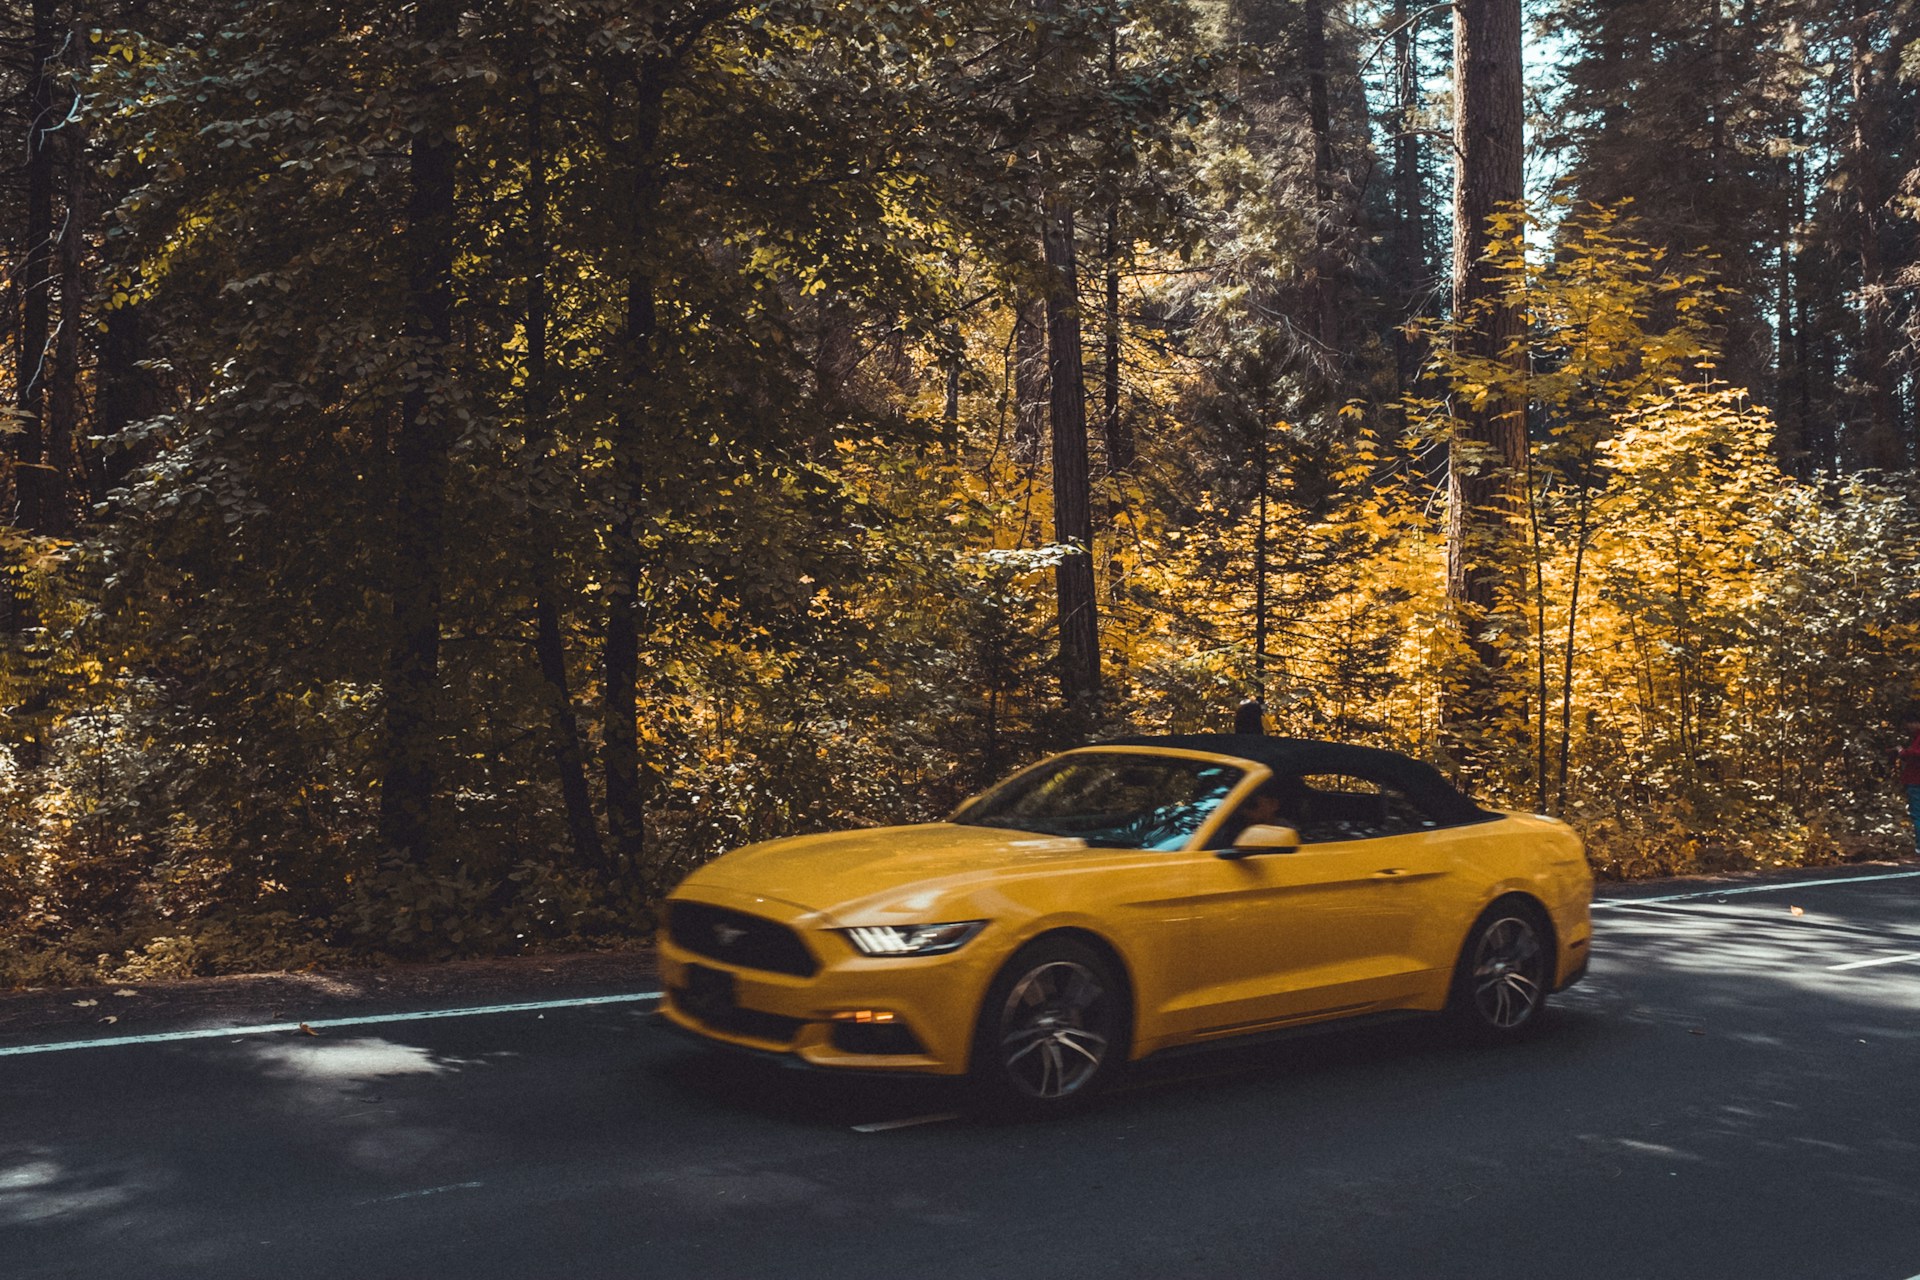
point(83, 1013)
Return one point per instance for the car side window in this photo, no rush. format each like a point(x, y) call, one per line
point(1336, 807)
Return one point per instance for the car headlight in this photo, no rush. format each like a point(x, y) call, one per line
point(912, 939)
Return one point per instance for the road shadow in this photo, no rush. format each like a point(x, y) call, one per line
point(728, 1082)
point(742, 1086)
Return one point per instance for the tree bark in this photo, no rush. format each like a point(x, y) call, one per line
point(569, 756)
point(1114, 428)
point(1790, 444)
point(126, 394)
point(1072, 493)
point(1263, 467)
point(626, 796)
point(621, 762)
point(1487, 463)
point(63, 388)
point(1490, 445)
point(34, 491)
point(1411, 265)
point(1029, 379)
point(1816, 433)
point(950, 408)
point(422, 449)
point(1582, 534)
point(1313, 48)
point(1322, 295)
point(1883, 446)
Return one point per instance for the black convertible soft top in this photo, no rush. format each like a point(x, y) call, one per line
point(1293, 757)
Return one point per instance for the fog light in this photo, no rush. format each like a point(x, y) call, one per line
point(864, 1015)
point(885, 1036)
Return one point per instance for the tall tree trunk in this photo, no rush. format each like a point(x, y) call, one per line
point(950, 409)
point(1486, 485)
point(1263, 475)
point(1115, 432)
point(1582, 534)
point(1322, 297)
point(63, 388)
point(1816, 433)
point(1072, 493)
point(1114, 428)
point(569, 755)
point(1414, 271)
point(1882, 446)
point(626, 795)
point(1029, 379)
point(35, 496)
point(422, 449)
point(1313, 48)
point(621, 762)
point(1790, 441)
point(126, 395)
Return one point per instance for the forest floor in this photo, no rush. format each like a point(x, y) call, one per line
point(246, 999)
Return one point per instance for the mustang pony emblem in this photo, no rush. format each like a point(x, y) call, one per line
point(726, 935)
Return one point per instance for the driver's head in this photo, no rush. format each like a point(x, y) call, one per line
point(1274, 804)
point(1262, 807)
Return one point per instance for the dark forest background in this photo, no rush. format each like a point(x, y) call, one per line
point(465, 464)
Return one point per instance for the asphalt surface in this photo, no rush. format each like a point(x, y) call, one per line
point(1721, 1098)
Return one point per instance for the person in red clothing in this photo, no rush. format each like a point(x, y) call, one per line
point(1910, 774)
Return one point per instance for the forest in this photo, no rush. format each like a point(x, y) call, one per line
point(465, 463)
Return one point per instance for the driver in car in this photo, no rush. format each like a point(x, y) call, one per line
point(1277, 803)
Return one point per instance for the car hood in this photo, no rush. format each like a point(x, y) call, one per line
point(844, 868)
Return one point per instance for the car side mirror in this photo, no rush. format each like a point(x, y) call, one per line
point(1262, 838)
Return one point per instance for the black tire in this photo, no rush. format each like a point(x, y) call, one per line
point(1052, 1029)
point(1504, 974)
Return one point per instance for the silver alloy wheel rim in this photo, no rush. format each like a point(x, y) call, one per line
point(1048, 1044)
point(1507, 972)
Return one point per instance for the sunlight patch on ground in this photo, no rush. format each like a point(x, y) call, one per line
point(362, 1058)
point(35, 1188)
point(1721, 941)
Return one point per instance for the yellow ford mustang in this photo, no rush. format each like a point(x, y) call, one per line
point(1126, 899)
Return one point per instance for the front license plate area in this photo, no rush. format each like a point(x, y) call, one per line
point(709, 994)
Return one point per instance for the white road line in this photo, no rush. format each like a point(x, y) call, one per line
point(266, 1028)
point(881, 1126)
point(428, 1191)
point(1784, 887)
point(1868, 964)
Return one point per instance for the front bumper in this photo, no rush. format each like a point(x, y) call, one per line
point(932, 997)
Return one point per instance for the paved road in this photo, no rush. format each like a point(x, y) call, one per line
point(1722, 1098)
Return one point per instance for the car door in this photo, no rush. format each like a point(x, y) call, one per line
point(1331, 927)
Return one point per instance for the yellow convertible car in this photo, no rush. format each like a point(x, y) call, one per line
point(1126, 899)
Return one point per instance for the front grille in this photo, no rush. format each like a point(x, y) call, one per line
point(742, 1022)
point(738, 939)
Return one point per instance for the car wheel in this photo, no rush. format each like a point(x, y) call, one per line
point(1505, 970)
point(1052, 1028)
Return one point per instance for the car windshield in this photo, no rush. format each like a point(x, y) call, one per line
point(1119, 800)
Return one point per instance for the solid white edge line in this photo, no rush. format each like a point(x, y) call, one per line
point(1868, 964)
point(884, 1126)
point(220, 1033)
point(424, 1191)
point(1754, 888)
